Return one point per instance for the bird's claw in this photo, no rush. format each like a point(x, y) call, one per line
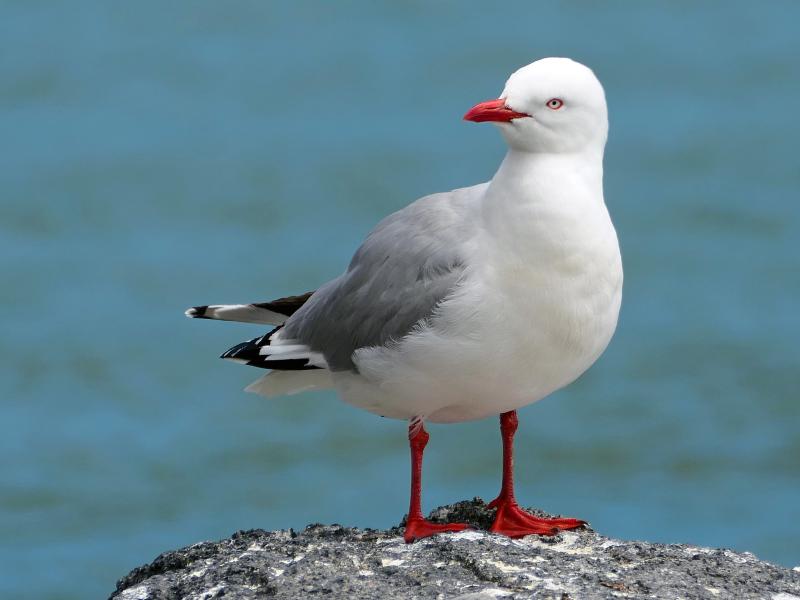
point(417, 528)
point(515, 522)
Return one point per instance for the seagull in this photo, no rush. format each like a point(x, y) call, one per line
point(470, 303)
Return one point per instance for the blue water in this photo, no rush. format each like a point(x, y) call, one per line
point(159, 155)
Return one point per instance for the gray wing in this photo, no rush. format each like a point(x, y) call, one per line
point(407, 265)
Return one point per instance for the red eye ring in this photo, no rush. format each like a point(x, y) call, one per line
point(555, 103)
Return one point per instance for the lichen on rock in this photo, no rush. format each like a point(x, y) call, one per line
point(343, 562)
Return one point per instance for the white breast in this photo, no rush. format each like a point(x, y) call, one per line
point(510, 336)
point(537, 307)
point(560, 311)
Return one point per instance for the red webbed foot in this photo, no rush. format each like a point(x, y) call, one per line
point(515, 522)
point(418, 528)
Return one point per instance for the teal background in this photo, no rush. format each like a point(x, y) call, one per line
point(160, 155)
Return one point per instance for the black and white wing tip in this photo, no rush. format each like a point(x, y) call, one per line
point(268, 351)
point(259, 352)
point(242, 313)
point(268, 313)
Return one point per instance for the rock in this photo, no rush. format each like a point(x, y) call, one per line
point(341, 562)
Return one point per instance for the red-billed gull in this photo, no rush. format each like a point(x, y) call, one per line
point(468, 303)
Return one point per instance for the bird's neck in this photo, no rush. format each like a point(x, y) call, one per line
point(538, 177)
point(535, 198)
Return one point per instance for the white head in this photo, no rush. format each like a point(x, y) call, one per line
point(553, 105)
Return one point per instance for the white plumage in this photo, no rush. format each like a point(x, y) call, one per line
point(470, 303)
point(473, 302)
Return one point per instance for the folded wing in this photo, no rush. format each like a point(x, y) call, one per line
point(410, 262)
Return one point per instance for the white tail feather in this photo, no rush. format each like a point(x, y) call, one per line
point(286, 383)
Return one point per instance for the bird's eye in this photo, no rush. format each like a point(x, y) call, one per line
point(555, 103)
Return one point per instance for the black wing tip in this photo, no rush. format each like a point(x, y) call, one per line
point(249, 353)
point(285, 306)
point(246, 351)
point(197, 312)
point(292, 364)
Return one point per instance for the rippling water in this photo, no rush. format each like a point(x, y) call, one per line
point(159, 155)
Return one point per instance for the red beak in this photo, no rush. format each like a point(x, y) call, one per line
point(492, 110)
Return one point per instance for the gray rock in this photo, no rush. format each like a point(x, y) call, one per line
point(340, 562)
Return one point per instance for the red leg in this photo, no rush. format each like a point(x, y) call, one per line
point(417, 526)
point(511, 520)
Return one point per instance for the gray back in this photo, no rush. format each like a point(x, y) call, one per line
point(407, 265)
